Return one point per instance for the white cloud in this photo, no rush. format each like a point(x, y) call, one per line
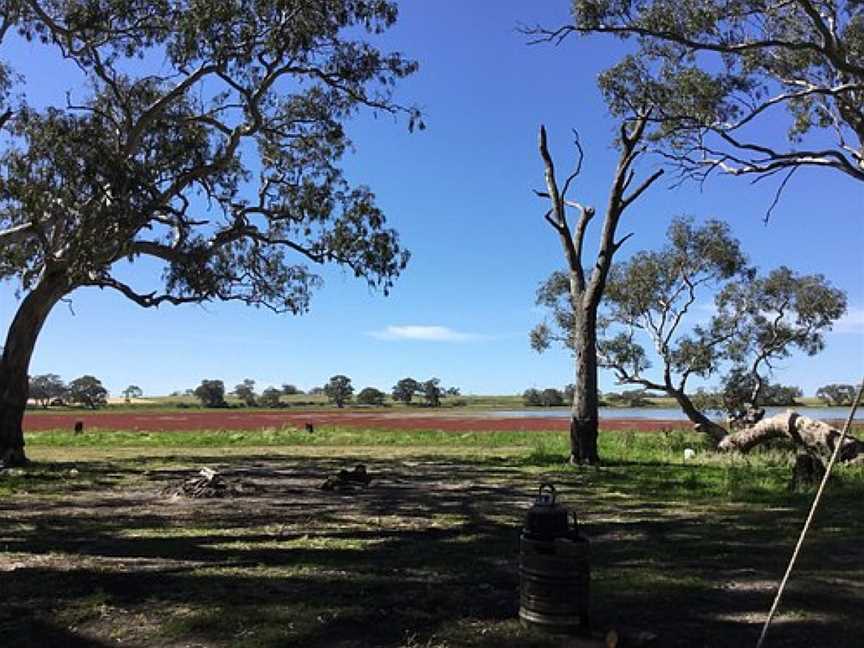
point(424, 333)
point(851, 322)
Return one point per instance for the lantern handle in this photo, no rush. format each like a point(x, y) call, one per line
point(547, 486)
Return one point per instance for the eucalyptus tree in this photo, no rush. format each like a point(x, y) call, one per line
point(371, 396)
point(245, 391)
point(405, 390)
point(721, 75)
point(205, 137)
point(757, 320)
point(836, 394)
point(89, 391)
point(339, 390)
point(270, 397)
point(432, 392)
point(46, 388)
point(132, 392)
point(584, 289)
point(211, 393)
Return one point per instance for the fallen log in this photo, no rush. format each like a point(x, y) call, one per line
point(815, 437)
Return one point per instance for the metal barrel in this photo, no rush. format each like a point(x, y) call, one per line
point(554, 584)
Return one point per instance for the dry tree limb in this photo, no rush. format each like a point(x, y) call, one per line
point(817, 437)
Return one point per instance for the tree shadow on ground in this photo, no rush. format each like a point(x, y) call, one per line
point(428, 553)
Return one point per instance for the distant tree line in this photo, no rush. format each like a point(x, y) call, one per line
point(49, 390)
point(732, 396)
point(837, 394)
point(339, 391)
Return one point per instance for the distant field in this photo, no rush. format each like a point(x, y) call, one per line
point(319, 401)
point(240, 419)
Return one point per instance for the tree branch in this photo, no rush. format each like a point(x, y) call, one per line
point(558, 217)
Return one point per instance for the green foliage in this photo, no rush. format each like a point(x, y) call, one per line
point(549, 397)
point(371, 396)
point(211, 393)
point(629, 398)
point(339, 390)
point(270, 397)
point(716, 73)
point(88, 390)
point(405, 389)
point(782, 312)
point(46, 388)
point(432, 392)
point(247, 112)
point(132, 391)
point(245, 391)
point(837, 394)
point(291, 390)
point(531, 397)
point(758, 320)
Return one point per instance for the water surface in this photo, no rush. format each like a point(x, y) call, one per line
point(668, 413)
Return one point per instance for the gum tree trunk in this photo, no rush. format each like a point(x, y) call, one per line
point(15, 363)
point(815, 437)
point(586, 292)
point(700, 422)
point(584, 414)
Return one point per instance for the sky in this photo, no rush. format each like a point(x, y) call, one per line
point(460, 195)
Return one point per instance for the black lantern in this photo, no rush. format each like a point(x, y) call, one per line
point(554, 568)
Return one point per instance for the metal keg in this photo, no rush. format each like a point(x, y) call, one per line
point(554, 568)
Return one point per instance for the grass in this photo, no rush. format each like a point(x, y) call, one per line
point(467, 404)
point(97, 555)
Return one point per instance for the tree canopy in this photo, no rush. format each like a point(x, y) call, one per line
point(270, 397)
point(339, 390)
point(371, 396)
point(211, 393)
point(46, 388)
point(404, 390)
point(132, 391)
point(757, 321)
point(836, 394)
point(89, 391)
point(718, 72)
point(245, 391)
point(223, 167)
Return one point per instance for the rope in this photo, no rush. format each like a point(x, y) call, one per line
point(810, 516)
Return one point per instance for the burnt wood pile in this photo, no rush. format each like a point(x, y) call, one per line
point(348, 481)
point(209, 483)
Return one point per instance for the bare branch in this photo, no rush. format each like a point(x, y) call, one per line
point(778, 193)
point(578, 169)
point(627, 200)
point(558, 217)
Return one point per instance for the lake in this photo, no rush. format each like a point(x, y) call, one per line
point(669, 414)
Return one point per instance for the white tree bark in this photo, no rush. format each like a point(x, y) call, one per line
point(814, 436)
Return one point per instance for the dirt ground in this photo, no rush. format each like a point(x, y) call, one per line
point(94, 553)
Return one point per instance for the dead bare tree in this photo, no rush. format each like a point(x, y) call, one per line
point(586, 288)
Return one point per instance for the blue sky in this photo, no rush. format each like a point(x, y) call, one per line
point(460, 195)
